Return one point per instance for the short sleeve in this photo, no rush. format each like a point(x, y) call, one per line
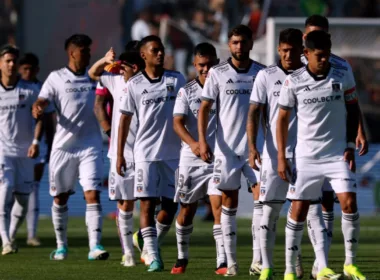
point(128, 104)
point(48, 90)
point(287, 97)
point(211, 89)
point(259, 90)
point(181, 106)
point(181, 81)
point(101, 91)
point(350, 93)
point(107, 80)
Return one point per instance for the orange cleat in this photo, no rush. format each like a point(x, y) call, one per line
point(221, 269)
point(179, 267)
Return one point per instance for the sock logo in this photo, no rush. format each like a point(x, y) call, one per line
point(59, 229)
point(265, 227)
point(294, 248)
point(182, 243)
point(98, 230)
point(231, 234)
point(353, 241)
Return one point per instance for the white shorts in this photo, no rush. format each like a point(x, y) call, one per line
point(65, 167)
point(272, 187)
point(17, 173)
point(310, 176)
point(155, 178)
point(228, 171)
point(121, 188)
point(194, 183)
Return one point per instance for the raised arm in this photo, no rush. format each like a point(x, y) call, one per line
point(97, 69)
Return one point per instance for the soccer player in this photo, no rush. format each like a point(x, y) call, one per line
point(194, 175)
point(119, 188)
point(18, 145)
point(77, 145)
point(327, 122)
point(317, 22)
point(150, 96)
point(229, 84)
point(264, 98)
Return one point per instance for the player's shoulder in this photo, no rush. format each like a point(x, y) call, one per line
point(136, 79)
point(257, 65)
point(221, 67)
point(27, 86)
point(269, 70)
point(297, 76)
point(339, 67)
point(338, 60)
point(173, 73)
point(191, 87)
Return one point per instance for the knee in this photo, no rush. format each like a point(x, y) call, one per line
point(61, 199)
point(126, 205)
point(169, 206)
point(349, 205)
point(92, 197)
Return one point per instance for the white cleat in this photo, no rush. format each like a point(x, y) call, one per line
point(8, 249)
point(129, 261)
point(255, 268)
point(299, 267)
point(98, 253)
point(232, 270)
point(145, 258)
point(34, 242)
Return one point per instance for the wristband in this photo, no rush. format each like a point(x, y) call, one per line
point(351, 145)
point(35, 142)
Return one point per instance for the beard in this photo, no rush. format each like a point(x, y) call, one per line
point(243, 57)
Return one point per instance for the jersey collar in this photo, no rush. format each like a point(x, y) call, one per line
point(153, 81)
point(199, 83)
point(318, 78)
point(279, 64)
point(240, 71)
point(76, 73)
point(12, 87)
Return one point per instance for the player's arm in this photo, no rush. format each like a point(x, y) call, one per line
point(100, 110)
point(361, 138)
point(97, 69)
point(39, 106)
point(34, 150)
point(49, 129)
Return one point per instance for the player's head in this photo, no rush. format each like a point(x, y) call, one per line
point(240, 42)
point(316, 22)
point(130, 64)
point(317, 50)
point(132, 46)
point(29, 67)
point(290, 47)
point(152, 51)
point(78, 49)
point(8, 60)
point(204, 58)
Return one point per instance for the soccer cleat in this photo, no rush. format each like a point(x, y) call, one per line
point(9, 249)
point(299, 267)
point(34, 242)
point(98, 253)
point(123, 260)
point(156, 266)
point(129, 261)
point(232, 270)
point(180, 266)
point(353, 272)
point(314, 271)
point(138, 241)
point(290, 276)
point(327, 274)
point(145, 258)
point(255, 269)
point(266, 274)
point(221, 269)
point(60, 254)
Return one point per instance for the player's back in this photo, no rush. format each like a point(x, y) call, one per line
point(73, 97)
point(16, 121)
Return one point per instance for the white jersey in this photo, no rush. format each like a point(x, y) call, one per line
point(321, 110)
point(187, 104)
point(266, 91)
point(117, 86)
point(231, 88)
point(152, 100)
point(73, 97)
point(16, 120)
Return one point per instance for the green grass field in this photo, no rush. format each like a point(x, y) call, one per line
point(34, 263)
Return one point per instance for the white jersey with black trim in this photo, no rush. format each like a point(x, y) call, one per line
point(231, 88)
point(16, 120)
point(73, 97)
point(187, 104)
point(320, 102)
point(152, 101)
point(117, 86)
point(266, 91)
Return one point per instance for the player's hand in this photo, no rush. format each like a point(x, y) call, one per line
point(37, 110)
point(33, 151)
point(195, 149)
point(110, 56)
point(349, 157)
point(205, 151)
point(121, 166)
point(283, 169)
point(253, 156)
point(361, 142)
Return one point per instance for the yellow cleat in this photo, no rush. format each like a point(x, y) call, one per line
point(290, 276)
point(327, 274)
point(266, 274)
point(353, 272)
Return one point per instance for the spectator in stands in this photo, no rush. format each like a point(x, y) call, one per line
point(141, 27)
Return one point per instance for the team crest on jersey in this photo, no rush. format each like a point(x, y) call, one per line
point(170, 84)
point(21, 97)
point(216, 180)
point(262, 191)
point(336, 87)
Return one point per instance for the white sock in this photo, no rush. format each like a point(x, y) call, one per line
point(317, 234)
point(60, 216)
point(229, 228)
point(256, 220)
point(18, 213)
point(293, 233)
point(125, 225)
point(183, 240)
point(328, 218)
point(6, 197)
point(162, 230)
point(351, 229)
point(94, 221)
point(33, 210)
point(149, 235)
point(271, 212)
point(220, 252)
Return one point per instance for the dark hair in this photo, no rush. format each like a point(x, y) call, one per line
point(205, 49)
point(240, 30)
point(291, 36)
point(31, 59)
point(132, 46)
point(318, 39)
point(132, 57)
point(317, 20)
point(9, 49)
point(78, 40)
point(148, 39)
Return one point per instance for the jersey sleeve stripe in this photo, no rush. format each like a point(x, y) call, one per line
point(179, 114)
point(126, 112)
point(350, 90)
point(207, 98)
point(256, 102)
point(285, 107)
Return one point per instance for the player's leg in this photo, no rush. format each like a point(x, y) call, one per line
point(90, 171)
point(255, 228)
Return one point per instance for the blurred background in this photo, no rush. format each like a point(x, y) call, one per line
point(41, 26)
